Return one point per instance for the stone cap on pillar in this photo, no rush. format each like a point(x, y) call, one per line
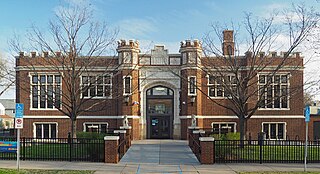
point(206, 139)
point(125, 127)
point(111, 138)
point(199, 132)
point(193, 127)
point(119, 131)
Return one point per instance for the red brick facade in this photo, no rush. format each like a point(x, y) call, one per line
point(112, 110)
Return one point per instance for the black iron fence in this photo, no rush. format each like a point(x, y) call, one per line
point(58, 149)
point(265, 151)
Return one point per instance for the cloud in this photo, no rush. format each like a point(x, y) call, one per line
point(136, 28)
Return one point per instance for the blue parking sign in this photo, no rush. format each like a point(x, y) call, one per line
point(307, 113)
point(19, 110)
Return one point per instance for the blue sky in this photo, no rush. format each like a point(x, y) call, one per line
point(151, 21)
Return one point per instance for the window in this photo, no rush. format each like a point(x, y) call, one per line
point(216, 85)
point(46, 91)
point(101, 127)
point(274, 131)
point(192, 88)
point(45, 130)
point(223, 127)
point(96, 86)
point(274, 91)
point(127, 85)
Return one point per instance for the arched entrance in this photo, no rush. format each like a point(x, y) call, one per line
point(159, 112)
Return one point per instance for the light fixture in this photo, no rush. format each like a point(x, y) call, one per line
point(126, 99)
point(192, 99)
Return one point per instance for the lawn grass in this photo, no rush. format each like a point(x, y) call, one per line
point(232, 151)
point(279, 172)
point(33, 171)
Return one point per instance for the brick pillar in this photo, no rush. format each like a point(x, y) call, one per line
point(196, 135)
point(207, 150)
point(111, 144)
point(122, 137)
point(190, 131)
point(129, 132)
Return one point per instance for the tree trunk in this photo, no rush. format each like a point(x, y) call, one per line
point(243, 129)
point(74, 128)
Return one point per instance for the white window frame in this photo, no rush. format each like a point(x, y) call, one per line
point(124, 85)
point(215, 86)
point(273, 93)
point(39, 89)
point(42, 130)
point(284, 129)
point(189, 86)
point(96, 89)
point(234, 123)
point(99, 123)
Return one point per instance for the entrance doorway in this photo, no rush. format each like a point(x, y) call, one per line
point(159, 113)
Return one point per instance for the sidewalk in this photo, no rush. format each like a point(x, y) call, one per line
point(102, 168)
point(158, 156)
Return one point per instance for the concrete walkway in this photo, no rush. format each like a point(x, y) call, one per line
point(162, 152)
point(158, 156)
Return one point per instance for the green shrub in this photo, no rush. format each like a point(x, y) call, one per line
point(233, 136)
point(90, 135)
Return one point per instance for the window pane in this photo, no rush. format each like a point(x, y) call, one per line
point(215, 128)
point(219, 80)
point(284, 79)
point(53, 131)
point(107, 79)
point(50, 79)
point(211, 79)
point(100, 91)
point(85, 80)
point(277, 79)
point(92, 91)
point(281, 131)
point(127, 85)
point(273, 131)
point(104, 128)
point(57, 94)
point(38, 131)
point(192, 82)
point(108, 90)
point(85, 91)
point(219, 91)
point(269, 97)
point(100, 80)
point(34, 96)
point(50, 96)
point(42, 97)
point(262, 79)
point(58, 79)
point(266, 130)
point(277, 96)
point(46, 131)
point(35, 79)
point(212, 91)
point(42, 79)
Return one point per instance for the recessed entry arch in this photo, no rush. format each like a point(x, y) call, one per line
point(159, 112)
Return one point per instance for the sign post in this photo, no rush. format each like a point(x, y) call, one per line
point(18, 125)
point(307, 119)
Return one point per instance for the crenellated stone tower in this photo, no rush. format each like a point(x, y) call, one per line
point(127, 82)
point(191, 53)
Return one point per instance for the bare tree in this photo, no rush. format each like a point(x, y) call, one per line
point(238, 79)
point(80, 42)
point(7, 75)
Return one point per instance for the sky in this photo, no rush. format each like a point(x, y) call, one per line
point(151, 22)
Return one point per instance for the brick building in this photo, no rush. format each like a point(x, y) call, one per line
point(155, 92)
